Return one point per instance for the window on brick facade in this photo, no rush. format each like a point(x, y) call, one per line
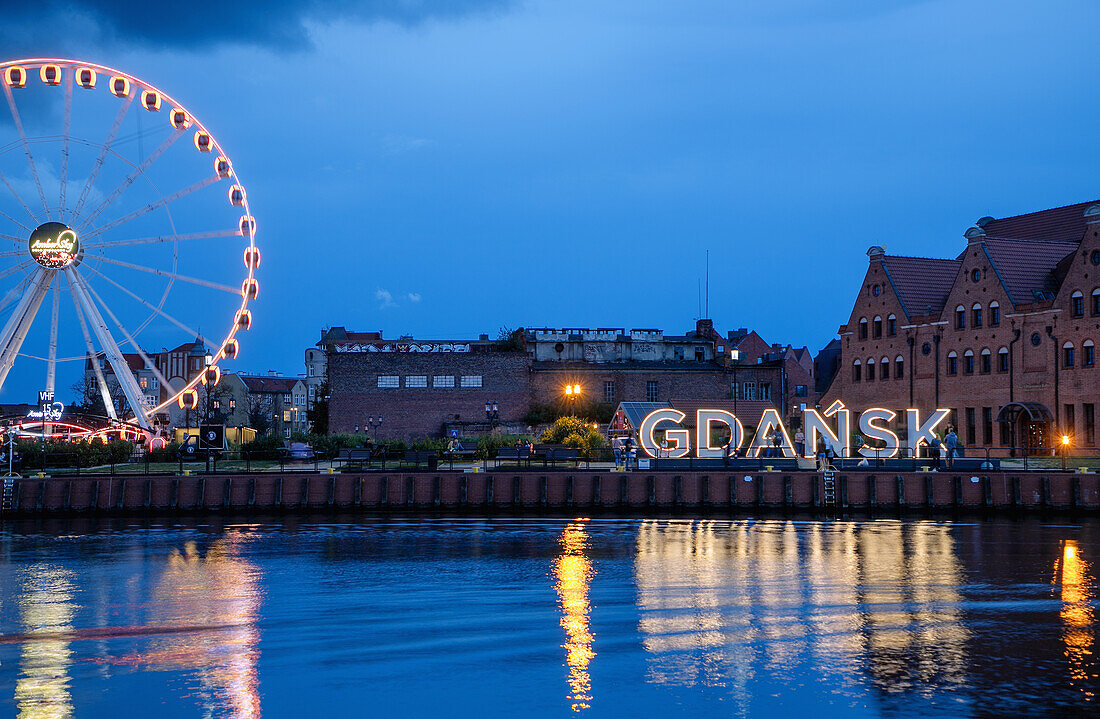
point(1090, 423)
point(968, 362)
point(1002, 359)
point(884, 368)
point(232, 404)
point(878, 327)
point(443, 381)
point(286, 432)
point(651, 392)
point(1088, 354)
point(389, 380)
point(800, 390)
point(976, 316)
point(416, 380)
point(987, 426)
point(960, 318)
point(899, 367)
point(994, 314)
point(870, 369)
point(609, 391)
point(857, 371)
point(1071, 421)
point(952, 362)
point(287, 399)
point(1068, 354)
point(749, 389)
point(473, 380)
point(1077, 304)
point(1095, 302)
point(286, 415)
point(971, 429)
point(891, 326)
point(765, 390)
point(863, 328)
point(986, 362)
point(1006, 434)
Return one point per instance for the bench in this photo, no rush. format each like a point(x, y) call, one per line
point(513, 454)
point(357, 455)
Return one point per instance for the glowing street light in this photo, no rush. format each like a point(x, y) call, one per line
point(1065, 447)
point(572, 391)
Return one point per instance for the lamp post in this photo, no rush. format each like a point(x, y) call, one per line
point(1065, 446)
point(572, 392)
point(374, 425)
point(735, 358)
point(492, 413)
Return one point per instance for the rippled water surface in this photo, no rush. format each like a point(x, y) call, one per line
point(531, 617)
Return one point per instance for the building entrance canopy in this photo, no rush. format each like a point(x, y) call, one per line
point(1033, 411)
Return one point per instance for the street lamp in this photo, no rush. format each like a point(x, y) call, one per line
point(735, 357)
point(492, 413)
point(572, 392)
point(1065, 446)
point(374, 425)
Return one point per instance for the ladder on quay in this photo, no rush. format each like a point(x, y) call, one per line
point(829, 494)
point(9, 493)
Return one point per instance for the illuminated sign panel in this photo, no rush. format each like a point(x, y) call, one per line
point(54, 245)
point(834, 426)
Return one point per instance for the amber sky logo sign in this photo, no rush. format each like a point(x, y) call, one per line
point(54, 245)
point(873, 425)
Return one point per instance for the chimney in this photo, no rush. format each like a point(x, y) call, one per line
point(704, 328)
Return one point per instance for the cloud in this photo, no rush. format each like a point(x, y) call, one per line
point(414, 297)
point(399, 144)
point(385, 299)
point(55, 25)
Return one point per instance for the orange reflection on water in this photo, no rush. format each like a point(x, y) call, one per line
point(216, 597)
point(1077, 614)
point(574, 574)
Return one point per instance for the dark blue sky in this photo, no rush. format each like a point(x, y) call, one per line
point(484, 164)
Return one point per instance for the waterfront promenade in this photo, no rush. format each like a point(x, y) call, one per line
point(563, 490)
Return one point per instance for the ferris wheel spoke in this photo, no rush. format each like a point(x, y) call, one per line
point(154, 205)
point(151, 306)
point(125, 184)
point(66, 127)
point(16, 195)
point(133, 342)
point(172, 275)
point(122, 372)
point(103, 154)
point(11, 253)
point(164, 238)
point(55, 308)
point(15, 330)
point(15, 292)
point(15, 268)
point(26, 147)
point(14, 221)
point(93, 357)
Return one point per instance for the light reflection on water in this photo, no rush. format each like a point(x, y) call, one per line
point(425, 617)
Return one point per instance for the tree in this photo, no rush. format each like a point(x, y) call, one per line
point(318, 413)
point(573, 432)
point(261, 410)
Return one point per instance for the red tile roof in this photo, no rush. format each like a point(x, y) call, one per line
point(269, 384)
point(921, 283)
point(1060, 224)
point(1027, 267)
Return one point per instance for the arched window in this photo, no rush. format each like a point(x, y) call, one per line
point(968, 362)
point(960, 318)
point(1088, 354)
point(899, 367)
point(994, 314)
point(952, 362)
point(986, 365)
point(884, 368)
point(857, 371)
point(1002, 359)
point(1096, 302)
point(891, 326)
point(1068, 355)
point(976, 316)
point(863, 328)
point(1077, 304)
point(877, 327)
point(870, 369)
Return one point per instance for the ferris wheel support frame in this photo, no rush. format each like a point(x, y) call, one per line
point(125, 377)
point(15, 331)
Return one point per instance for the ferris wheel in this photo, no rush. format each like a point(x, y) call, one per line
point(126, 230)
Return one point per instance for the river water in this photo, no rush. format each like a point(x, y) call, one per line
point(545, 617)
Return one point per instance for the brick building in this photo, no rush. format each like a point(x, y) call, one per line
point(423, 387)
point(1003, 334)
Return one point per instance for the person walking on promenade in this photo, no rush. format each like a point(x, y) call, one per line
point(799, 442)
point(617, 448)
point(777, 444)
point(951, 441)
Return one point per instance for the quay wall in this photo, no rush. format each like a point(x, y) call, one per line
point(551, 491)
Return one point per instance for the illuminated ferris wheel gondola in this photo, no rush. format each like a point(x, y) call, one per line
point(127, 228)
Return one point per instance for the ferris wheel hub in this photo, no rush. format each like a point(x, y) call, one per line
point(54, 245)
